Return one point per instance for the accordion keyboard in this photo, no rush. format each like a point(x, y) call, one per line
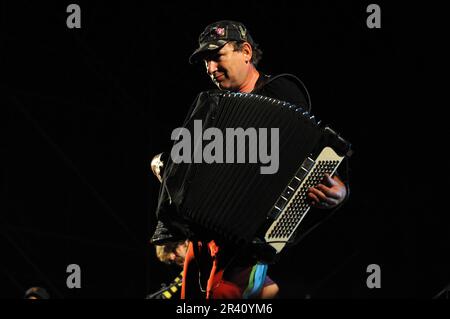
point(292, 205)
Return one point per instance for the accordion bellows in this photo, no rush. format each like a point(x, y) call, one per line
point(234, 201)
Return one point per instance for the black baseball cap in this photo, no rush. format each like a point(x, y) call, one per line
point(217, 34)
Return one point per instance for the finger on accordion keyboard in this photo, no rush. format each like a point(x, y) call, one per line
point(312, 197)
point(329, 180)
point(328, 192)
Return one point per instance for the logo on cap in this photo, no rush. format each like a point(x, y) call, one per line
point(220, 31)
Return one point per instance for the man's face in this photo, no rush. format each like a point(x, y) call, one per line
point(227, 67)
point(179, 254)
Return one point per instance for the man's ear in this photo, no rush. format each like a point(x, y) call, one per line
point(247, 51)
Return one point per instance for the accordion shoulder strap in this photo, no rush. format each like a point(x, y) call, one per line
point(268, 78)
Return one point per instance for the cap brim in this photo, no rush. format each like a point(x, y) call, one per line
point(163, 235)
point(204, 49)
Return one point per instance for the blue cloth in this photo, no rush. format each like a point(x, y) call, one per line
point(256, 281)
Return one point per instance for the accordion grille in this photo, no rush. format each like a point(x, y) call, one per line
point(232, 200)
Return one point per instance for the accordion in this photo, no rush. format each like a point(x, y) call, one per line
point(236, 200)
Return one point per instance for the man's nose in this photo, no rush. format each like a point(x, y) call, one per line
point(211, 67)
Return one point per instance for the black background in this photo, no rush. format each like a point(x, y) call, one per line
point(85, 110)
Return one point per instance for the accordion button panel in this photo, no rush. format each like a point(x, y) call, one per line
point(290, 211)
